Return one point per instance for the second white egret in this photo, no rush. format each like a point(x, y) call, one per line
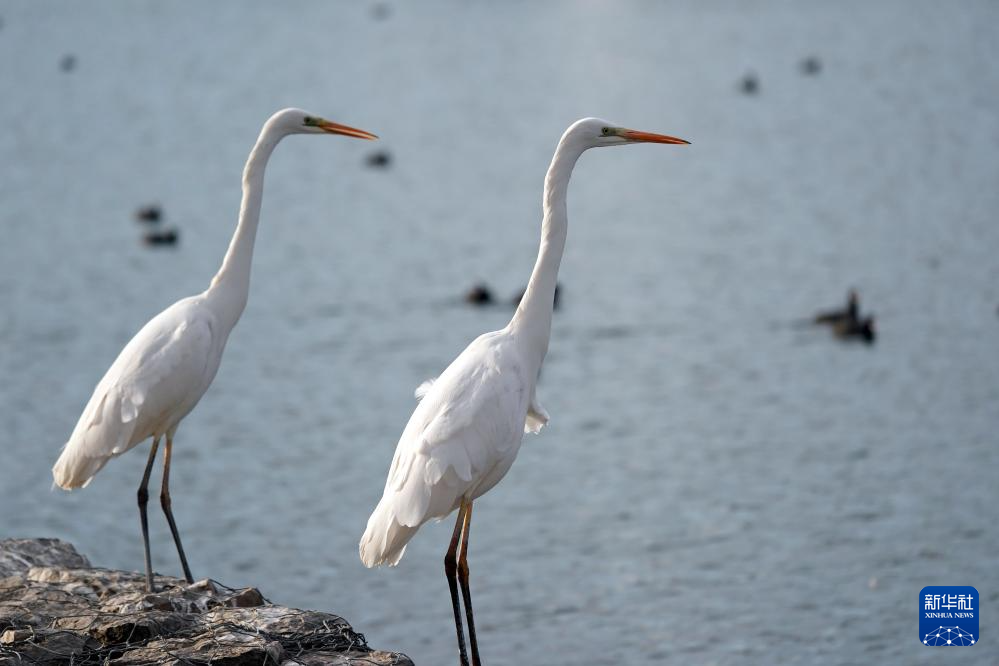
point(465, 433)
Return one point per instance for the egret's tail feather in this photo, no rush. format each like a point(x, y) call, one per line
point(74, 470)
point(384, 541)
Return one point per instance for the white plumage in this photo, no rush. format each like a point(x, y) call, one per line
point(460, 441)
point(466, 432)
point(155, 382)
point(164, 370)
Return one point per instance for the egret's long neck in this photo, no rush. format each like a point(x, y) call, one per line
point(232, 282)
point(533, 318)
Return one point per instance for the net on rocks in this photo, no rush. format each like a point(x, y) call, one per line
point(101, 617)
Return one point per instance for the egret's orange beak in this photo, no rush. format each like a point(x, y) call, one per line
point(649, 137)
point(337, 128)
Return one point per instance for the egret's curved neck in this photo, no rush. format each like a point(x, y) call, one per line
point(533, 318)
point(232, 282)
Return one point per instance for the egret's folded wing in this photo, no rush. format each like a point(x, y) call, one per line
point(470, 417)
point(162, 362)
point(537, 417)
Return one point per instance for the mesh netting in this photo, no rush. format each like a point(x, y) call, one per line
point(176, 627)
point(211, 644)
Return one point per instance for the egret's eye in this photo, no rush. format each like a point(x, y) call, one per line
point(309, 120)
point(605, 131)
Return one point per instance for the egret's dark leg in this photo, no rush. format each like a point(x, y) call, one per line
point(466, 592)
point(143, 500)
point(165, 503)
point(450, 569)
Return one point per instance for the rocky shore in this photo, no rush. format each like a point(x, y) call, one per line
point(55, 608)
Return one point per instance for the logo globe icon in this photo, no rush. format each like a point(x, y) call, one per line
point(949, 636)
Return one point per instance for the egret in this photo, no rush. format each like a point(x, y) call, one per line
point(468, 426)
point(164, 370)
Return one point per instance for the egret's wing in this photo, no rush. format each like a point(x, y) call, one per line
point(537, 417)
point(161, 368)
point(424, 388)
point(474, 427)
point(469, 420)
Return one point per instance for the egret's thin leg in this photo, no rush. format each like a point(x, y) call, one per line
point(165, 503)
point(143, 496)
point(466, 592)
point(450, 569)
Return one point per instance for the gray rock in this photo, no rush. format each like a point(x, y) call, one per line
point(57, 609)
point(19, 555)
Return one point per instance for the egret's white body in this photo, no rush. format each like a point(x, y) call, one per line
point(163, 372)
point(155, 382)
point(465, 434)
point(460, 441)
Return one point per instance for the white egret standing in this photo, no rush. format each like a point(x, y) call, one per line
point(465, 433)
point(165, 369)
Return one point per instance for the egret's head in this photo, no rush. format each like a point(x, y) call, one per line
point(597, 133)
point(297, 121)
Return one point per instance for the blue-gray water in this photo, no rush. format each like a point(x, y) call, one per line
point(717, 485)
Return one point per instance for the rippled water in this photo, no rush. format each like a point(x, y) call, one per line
point(717, 485)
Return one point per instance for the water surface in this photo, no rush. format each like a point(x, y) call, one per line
point(716, 486)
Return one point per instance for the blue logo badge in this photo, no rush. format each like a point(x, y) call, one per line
point(948, 615)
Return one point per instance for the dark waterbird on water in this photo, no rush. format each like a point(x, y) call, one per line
point(856, 329)
point(151, 213)
point(164, 237)
point(379, 159)
point(850, 313)
point(480, 294)
point(750, 84)
point(847, 324)
point(811, 66)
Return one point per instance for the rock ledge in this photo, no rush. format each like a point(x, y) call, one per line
point(57, 609)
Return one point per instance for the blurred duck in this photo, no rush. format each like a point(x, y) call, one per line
point(856, 329)
point(151, 213)
point(164, 237)
point(849, 314)
point(480, 294)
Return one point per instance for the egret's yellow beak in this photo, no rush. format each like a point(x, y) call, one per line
point(337, 128)
point(649, 137)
